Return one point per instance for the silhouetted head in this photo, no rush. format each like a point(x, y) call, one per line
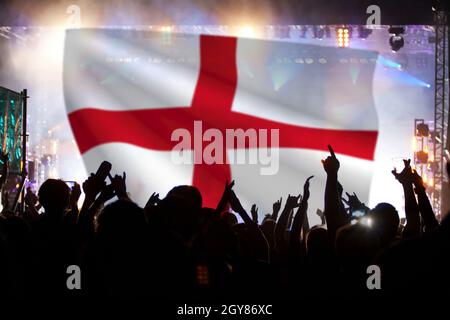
point(217, 234)
point(121, 221)
point(356, 246)
point(180, 210)
point(385, 222)
point(54, 195)
point(229, 218)
point(317, 242)
point(189, 196)
point(268, 228)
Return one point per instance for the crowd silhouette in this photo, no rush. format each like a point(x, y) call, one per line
point(175, 247)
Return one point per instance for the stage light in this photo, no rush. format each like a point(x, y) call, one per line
point(166, 29)
point(396, 43)
point(343, 37)
point(246, 32)
point(421, 157)
point(422, 130)
point(396, 40)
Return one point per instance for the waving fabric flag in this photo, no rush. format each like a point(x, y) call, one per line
point(128, 91)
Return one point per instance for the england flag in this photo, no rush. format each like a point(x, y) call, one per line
point(128, 94)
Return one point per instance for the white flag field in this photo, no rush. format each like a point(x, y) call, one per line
point(133, 96)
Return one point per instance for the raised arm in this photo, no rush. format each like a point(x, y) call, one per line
point(254, 212)
point(91, 187)
point(75, 194)
point(426, 211)
point(332, 212)
point(294, 237)
point(225, 199)
point(254, 233)
point(280, 239)
point(276, 209)
point(412, 227)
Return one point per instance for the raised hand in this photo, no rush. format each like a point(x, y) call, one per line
point(353, 202)
point(254, 211)
point(331, 163)
point(107, 193)
point(292, 202)
point(306, 193)
point(404, 177)
point(226, 196)
point(75, 194)
point(92, 187)
point(411, 207)
point(276, 208)
point(153, 200)
point(119, 184)
point(321, 215)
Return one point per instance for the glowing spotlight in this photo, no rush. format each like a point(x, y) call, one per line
point(389, 63)
point(343, 37)
point(246, 32)
point(166, 29)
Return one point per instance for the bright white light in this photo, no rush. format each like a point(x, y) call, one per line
point(246, 32)
point(366, 221)
point(166, 29)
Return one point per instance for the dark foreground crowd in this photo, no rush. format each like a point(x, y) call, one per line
point(174, 247)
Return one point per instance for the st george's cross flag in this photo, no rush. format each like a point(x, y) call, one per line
point(128, 94)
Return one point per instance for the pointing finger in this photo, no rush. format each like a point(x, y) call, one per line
point(331, 151)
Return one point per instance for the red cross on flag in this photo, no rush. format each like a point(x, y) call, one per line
point(145, 101)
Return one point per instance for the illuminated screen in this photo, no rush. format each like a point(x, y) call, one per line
point(11, 127)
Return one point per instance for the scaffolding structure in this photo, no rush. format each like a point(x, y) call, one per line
point(441, 108)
